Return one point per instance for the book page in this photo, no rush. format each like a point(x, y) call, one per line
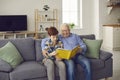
point(74, 51)
point(62, 53)
point(67, 54)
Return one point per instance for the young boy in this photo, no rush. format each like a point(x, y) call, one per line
point(51, 44)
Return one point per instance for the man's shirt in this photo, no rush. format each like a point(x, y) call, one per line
point(72, 41)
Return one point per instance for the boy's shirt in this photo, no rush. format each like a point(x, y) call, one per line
point(49, 45)
point(50, 48)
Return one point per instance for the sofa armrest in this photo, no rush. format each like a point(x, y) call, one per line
point(4, 66)
point(104, 55)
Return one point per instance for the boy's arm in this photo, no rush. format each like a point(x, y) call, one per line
point(43, 43)
point(44, 52)
point(45, 48)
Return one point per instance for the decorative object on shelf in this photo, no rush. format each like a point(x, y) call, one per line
point(112, 25)
point(41, 28)
point(46, 17)
point(71, 25)
point(49, 19)
point(112, 4)
point(46, 7)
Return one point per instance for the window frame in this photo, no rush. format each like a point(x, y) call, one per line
point(79, 14)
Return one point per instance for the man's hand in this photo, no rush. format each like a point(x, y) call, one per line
point(80, 50)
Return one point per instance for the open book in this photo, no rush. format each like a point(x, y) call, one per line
point(67, 54)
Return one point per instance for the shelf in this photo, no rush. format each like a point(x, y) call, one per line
point(41, 32)
point(26, 34)
point(110, 10)
point(49, 11)
point(44, 19)
point(111, 6)
point(112, 25)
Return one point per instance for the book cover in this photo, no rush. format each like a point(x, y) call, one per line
point(67, 54)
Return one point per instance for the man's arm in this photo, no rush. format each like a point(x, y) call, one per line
point(82, 44)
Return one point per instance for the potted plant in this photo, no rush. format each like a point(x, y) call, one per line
point(71, 25)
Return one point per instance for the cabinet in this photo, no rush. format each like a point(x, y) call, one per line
point(113, 4)
point(111, 38)
point(45, 19)
point(7, 35)
point(24, 34)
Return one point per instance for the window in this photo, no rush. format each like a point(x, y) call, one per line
point(72, 12)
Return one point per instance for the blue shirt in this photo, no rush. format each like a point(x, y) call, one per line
point(69, 42)
point(72, 41)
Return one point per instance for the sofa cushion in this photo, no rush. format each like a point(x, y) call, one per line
point(24, 45)
point(93, 48)
point(10, 54)
point(96, 64)
point(28, 70)
point(38, 48)
point(4, 76)
point(4, 66)
point(104, 55)
point(90, 36)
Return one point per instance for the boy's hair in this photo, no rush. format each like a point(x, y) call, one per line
point(52, 31)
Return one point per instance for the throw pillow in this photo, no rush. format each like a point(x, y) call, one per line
point(10, 54)
point(93, 48)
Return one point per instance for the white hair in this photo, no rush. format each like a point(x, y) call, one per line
point(65, 25)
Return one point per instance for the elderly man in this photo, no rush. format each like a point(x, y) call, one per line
point(70, 41)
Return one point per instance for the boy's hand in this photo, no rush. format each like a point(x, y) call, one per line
point(45, 53)
point(58, 58)
point(53, 53)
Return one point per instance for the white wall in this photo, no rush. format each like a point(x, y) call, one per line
point(27, 7)
point(88, 26)
point(110, 41)
point(96, 14)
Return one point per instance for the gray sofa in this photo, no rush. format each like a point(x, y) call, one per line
point(32, 68)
